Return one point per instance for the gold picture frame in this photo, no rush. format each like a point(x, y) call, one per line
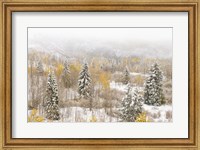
point(9, 6)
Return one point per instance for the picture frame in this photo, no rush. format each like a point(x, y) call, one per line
point(10, 6)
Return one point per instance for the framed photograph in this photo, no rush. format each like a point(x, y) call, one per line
point(107, 75)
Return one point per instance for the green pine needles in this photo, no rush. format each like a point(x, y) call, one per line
point(131, 105)
point(84, 83)
point(153, 92)
point(51, 105)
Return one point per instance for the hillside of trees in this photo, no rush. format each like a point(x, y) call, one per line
point(98, 88)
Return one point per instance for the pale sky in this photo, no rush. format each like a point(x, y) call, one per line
point(138, 41)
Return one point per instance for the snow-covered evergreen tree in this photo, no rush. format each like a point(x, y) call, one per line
point(138, 102)
point(66, 75)
point(153, 92)
point(51, 103)
point(131, 105)
point(126, 76)
point(39, 68)
point(84, 83)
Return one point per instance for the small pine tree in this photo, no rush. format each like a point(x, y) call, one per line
point(126, 76)
point(39, 68)
point(131, 105)
point(84, 83)
point(153, 92)
point(51, 105)
point(66, 75)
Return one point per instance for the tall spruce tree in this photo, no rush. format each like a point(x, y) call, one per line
point(126, 76)
point(131, 105)
point(66, 75)
point(51, 103)
point(153, 92)
point(84, 83)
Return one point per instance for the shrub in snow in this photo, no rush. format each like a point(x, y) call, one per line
point(66, 75)
point(33, 117)
point(153, 92)
point(84, 83)
point(93, 119)
point(142, 118)
point(126, 76)
point(131, 105)
point(51, 102)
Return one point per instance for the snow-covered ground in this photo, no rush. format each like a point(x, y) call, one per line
point(121, 87)
point(154, 113)
point(133, 74)
point(78, 114)
point(118, 86)
point(161, 113)
point(138, 74)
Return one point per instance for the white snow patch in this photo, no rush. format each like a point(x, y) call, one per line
point(138, 74)
point(79, 114)
point(158, 113)
point(133, 74)
point(121, 87)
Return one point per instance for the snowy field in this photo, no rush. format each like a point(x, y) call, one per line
point(78, 114)
point(122, 87)
point(158, 113)
point(161, 113)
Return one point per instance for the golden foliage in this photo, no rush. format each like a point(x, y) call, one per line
point(104, 80)
point(59, 69)
point(95, 72)
point(39, 119)
point(93, 119)
point(33, 112)
point(135, 60)
point(139, 80)
point(142, 118)
point(46, 59)
point(31, 69)
point(29, 119)
point(33, 117)
point(75, 67)
point(46, 72)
